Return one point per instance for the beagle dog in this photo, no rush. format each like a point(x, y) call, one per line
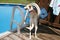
point(33, 18)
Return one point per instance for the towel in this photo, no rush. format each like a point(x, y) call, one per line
point(55, 5)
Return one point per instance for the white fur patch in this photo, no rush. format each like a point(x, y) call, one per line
point(28, 7)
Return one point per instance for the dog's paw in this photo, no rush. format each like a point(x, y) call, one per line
point(28, 28)
point(37, 38)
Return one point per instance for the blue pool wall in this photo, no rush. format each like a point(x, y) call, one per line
point(5, 16)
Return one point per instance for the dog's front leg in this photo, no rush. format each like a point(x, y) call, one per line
point(36, 26)
point(30, 34)
point(36, 31)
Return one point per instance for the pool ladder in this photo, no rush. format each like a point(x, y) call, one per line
point(13, 21)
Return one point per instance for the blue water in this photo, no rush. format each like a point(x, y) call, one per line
point(5, 16)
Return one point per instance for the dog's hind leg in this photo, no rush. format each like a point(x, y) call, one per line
point(31, 27)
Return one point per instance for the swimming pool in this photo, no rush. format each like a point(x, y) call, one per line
point(5, 16)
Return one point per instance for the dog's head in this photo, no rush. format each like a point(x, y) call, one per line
point(28, 7)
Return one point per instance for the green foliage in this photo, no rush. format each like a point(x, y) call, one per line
point(31, 0)
point(16, 1)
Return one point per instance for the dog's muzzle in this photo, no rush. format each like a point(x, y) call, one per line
point(25, 8)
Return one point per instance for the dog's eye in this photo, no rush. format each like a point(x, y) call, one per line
point(29, 6)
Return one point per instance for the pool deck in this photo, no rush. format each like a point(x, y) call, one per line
point(44, 34)
point(24, 36)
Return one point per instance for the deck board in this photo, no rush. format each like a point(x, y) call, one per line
point(45, 35)
point(48, 36)
point(14, 37)
point(25, 36)
point(7, 38)
point(22, 36)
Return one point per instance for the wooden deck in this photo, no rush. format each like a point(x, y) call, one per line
point(44, 34)
point(25, 36)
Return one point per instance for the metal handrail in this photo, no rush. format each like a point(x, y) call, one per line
point(13, 21)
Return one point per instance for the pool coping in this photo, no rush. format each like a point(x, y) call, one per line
point(13, 3)
point(5, 34)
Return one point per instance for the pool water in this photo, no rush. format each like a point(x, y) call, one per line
point(5, 16)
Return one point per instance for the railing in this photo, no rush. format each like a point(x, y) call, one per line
point(13, 21)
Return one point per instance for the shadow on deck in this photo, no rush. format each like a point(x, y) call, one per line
point(43, 29)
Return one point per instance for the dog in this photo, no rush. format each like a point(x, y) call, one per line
point(33, 18)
